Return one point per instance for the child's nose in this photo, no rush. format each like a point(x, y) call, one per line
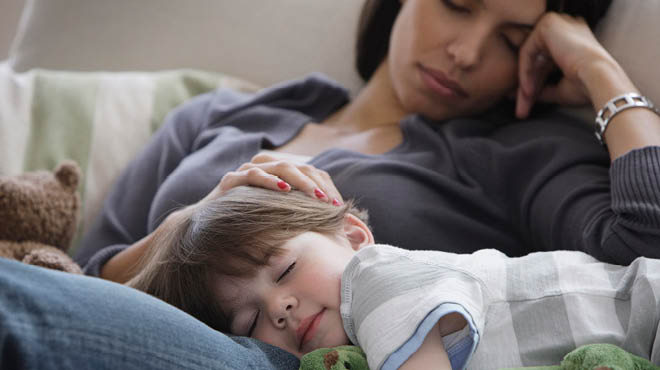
point(281, 309)
point(281, 321)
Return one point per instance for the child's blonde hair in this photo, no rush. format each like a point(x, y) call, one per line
point(233, 235)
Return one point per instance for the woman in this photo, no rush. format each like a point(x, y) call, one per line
point(402, 142)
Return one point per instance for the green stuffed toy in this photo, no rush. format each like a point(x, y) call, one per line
point(589, 357)
point(600, 357)
point(337, 358)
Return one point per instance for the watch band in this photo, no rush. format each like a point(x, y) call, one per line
point(617, 105)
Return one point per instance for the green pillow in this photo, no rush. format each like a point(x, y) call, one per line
point(599, 357)
point(99, 119)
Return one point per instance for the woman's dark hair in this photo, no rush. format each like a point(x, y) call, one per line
point(378, 16)
point(373, 39)
point(591, 10)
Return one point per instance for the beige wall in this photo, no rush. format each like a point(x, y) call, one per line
point(10, 12)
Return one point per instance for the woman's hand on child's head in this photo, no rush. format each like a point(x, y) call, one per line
point(269, 172)
point(557, 41)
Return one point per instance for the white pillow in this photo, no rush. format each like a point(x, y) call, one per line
point(262, 41)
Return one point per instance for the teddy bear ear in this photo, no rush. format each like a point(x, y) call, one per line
point(68, 174)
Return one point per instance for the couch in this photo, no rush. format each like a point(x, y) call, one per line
point(92, 80)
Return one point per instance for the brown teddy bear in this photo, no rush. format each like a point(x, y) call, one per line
point(38, 216)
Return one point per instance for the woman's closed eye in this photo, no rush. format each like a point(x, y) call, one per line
point(512, 40)
point(515, 48)
point(454, 7)
point(515, 38)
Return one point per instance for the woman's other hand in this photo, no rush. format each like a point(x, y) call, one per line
point(564, 42)
point(269, 172)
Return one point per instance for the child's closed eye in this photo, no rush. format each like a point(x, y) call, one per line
point(288, 269)
point(254, 324)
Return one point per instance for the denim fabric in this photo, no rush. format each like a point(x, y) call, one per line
point(54, 320)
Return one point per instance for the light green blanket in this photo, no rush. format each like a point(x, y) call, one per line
point(100, 120)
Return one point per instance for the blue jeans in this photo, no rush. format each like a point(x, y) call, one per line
point(54, 320)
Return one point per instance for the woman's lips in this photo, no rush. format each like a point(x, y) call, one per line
point(307, 328)
point(441, 84)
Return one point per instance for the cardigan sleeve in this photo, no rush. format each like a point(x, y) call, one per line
point(557, 184)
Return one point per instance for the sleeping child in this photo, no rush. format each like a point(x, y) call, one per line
point(302, 274)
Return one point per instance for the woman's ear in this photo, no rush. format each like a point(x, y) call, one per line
point(357, 232)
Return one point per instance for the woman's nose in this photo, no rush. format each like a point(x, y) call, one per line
point(466, 50)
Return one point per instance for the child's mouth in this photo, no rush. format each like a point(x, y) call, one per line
point(307, 328)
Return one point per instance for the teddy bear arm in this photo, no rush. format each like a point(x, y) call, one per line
point(52, 258)
point(17, 250)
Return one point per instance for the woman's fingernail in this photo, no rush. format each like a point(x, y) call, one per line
point(319, 194)
point(336, 202)
point(282, 185)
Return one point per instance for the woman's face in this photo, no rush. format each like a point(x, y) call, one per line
point(450, 58)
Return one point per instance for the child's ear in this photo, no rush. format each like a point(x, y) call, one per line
point(357, 232)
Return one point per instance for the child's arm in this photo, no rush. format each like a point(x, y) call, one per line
point(431, 354)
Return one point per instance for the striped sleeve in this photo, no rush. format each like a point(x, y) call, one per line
point(386, 296)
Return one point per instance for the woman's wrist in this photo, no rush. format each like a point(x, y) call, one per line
point(603, 80)
point(630, 129)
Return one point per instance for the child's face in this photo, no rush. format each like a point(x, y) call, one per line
point(293, 303)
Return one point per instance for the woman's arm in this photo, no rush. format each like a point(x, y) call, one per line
point(564, 196)
point(125, 264)
point(632, 128)
point(590, 76)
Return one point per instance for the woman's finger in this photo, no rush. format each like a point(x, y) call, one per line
point(263, 158)
point(292, 174)
point(532, 54)
point(324, 182)
point(306, 178)
point(536, 81)
point(253, 176)
point(531, 58)
point(284, 175)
